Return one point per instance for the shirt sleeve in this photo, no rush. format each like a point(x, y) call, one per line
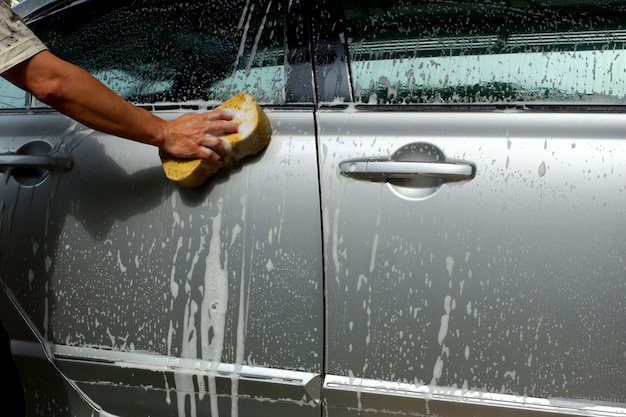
point(17, 41)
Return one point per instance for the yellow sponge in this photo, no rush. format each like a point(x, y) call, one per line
point(253, 136)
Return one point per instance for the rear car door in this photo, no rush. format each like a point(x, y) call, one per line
point(125, 294)
point(473, 183)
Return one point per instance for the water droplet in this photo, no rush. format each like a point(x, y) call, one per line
point(542, 169)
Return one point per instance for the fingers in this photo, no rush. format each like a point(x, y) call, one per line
point(199, 135)
point(219, 149)
point(208, 154)
point(221, 114)
point(220, 121)
point(219, 124)
point(222, 127)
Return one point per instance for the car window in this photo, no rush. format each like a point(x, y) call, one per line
point(11, 97)
point(162, 51)
point(416, 51)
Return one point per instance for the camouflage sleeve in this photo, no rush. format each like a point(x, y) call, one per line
point(17, 41)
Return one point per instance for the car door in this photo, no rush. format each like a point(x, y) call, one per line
point(125, 294)
point(473, 195)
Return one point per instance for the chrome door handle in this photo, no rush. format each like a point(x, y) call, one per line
point(54, 162)
point(382, 170)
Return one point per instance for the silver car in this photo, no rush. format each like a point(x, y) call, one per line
point(436, 228)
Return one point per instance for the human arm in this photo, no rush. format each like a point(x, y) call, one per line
point(77, 94)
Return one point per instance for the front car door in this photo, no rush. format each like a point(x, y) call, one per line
point(473, 187)
point(127, 295)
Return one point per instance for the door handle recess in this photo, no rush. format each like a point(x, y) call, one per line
point(382, 170)
point(55, 162)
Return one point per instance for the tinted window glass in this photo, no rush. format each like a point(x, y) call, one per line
point(11, 97)
point(411, 51)
point(163, 51)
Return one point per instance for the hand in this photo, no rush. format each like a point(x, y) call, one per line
point(198, 136)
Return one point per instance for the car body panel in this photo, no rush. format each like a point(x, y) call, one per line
point(414, 241)
point(507, 283)
point(236, 237)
